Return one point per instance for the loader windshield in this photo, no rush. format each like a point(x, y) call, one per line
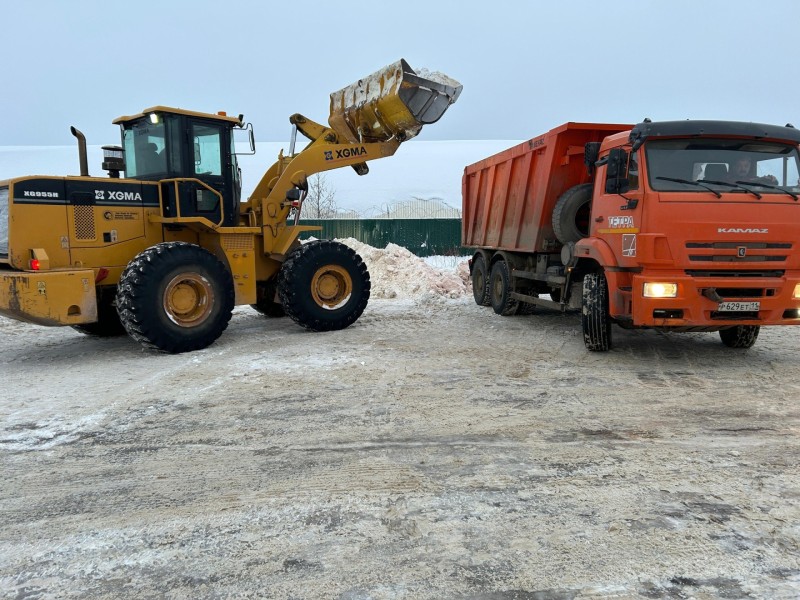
point(724, 165)
point(144, 143)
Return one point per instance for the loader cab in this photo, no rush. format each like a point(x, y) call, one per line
point(192, 156)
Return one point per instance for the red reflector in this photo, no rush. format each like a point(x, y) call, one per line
point(102, 273)
point(34, 264)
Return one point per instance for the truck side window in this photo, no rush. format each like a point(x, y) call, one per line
point(633, 172)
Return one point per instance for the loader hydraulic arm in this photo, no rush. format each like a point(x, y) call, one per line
point(269, 200)
point(368, 120)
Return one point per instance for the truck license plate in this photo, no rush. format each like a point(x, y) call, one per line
point(739, 306)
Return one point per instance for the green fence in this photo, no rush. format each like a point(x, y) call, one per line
point(423, 237)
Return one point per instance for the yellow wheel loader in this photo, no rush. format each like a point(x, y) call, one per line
point(165, 252)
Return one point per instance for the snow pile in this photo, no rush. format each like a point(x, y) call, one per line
point(396, 273)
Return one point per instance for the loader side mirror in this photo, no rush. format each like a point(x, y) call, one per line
point(197, 158)
point(616, 172)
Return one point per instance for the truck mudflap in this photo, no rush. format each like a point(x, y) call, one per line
point(49, 297)
point(392, 102)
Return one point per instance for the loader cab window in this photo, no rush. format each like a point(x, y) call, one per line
point(145, 148)
point(207, 150)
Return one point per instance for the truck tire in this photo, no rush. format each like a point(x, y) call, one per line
point(108, 323)
point(740, 336)
point(175, 297)
point(595, 318)
point(480, 282)
point(324, 286)
point(265, 302)
point(572, 213)
point(500, 290)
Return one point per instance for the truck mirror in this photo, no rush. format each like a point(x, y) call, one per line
point(616, 172)
point(197, 157)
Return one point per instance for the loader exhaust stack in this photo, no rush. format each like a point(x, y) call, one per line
point(82, 155)
point(394, 102)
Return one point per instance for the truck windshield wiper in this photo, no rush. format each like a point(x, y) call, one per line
point(676, 180)
point(733, 185)
point(770, 186)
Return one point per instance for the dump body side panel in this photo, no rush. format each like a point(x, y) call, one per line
point(508, 198)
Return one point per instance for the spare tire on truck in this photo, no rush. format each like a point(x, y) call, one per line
point(572, 213)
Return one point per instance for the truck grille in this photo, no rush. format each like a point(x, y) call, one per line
point(738, 252)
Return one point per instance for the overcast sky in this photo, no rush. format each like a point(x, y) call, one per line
point(526, 66)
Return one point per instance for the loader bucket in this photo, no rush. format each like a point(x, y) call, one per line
point(392, 102)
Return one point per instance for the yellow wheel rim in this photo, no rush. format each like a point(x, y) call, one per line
point(331, 285)
point(188, 299)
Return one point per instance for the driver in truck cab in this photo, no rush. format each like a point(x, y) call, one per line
point(743, 169)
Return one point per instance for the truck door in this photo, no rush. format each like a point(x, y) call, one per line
point(617, 208)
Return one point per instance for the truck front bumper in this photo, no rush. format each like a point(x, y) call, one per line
point(49, 297)
point(714, 301)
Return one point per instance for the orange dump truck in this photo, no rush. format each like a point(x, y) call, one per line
point(675, 225)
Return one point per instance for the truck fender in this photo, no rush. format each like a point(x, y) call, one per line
point(594, 254)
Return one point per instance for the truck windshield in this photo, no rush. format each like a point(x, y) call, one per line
point(679, 165)
point(144, 148)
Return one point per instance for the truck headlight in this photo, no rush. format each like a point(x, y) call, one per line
point(660, 290)
point(796, 294)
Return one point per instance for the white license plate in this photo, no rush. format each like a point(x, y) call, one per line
point(739, 306)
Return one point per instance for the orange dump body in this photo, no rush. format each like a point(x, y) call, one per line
point(508, 198)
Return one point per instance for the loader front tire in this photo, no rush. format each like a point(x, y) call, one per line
point(175, 297)
point(324, 285)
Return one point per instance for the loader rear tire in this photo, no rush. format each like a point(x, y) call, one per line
point(740, 336)
point(572, 213)
point(480, 282)
point(324, 286)
point(108, 323)
point(175, 297)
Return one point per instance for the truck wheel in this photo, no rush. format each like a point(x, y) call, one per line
point(175, 297)
point(480, 282)
point(324, 286)
point(265, 302)
point(572, 213)
point(108, 323)
point(500, 290)
point(740, 336)
point(595, 319)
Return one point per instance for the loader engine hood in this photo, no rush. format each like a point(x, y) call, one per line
point(395, 101)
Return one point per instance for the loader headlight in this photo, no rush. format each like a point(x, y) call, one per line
point(660, 290)
point(796, 294)
point(154, 118)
